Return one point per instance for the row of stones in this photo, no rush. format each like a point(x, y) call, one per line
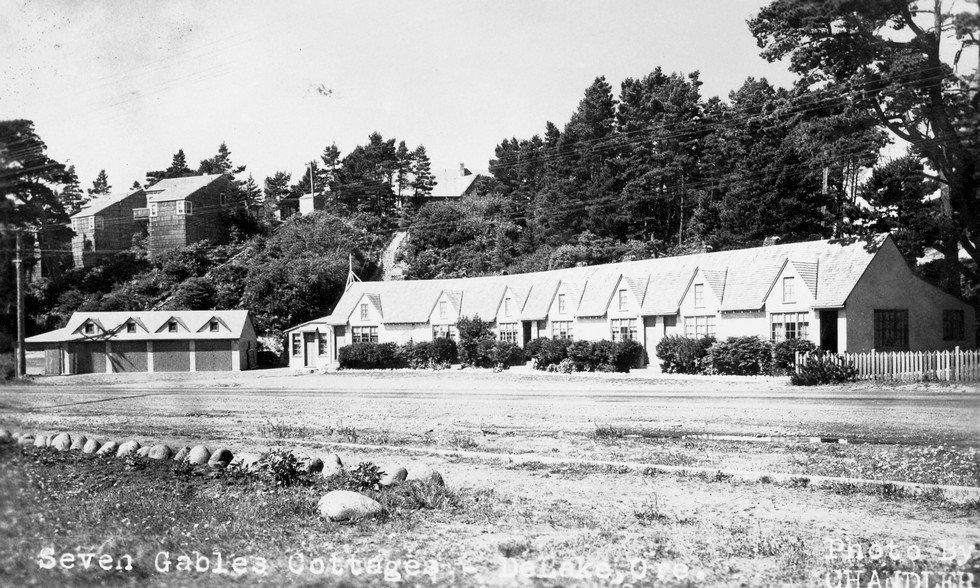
point(336, 505)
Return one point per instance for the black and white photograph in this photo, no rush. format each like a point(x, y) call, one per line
point(490, 293)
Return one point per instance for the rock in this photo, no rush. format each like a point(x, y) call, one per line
point(41, 441)
point(109, 448)
point(344, 505)
point(331, 469)
point(395, 476)
point(91, 446)
point(143, 451)
point(160, 451)
point(128, 448)
point(61, 442)
point(6, 437)
point(25, 440)
point(313, 466)
point(78, 442)
point(246, 461)
point(220, 458)
point(182, 454)
point(432, 477)
point(333, 458)
point(199, 455)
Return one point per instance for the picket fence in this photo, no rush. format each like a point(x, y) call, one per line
point(951, 366)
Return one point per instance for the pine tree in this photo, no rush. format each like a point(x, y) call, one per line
point(100, 185)
point(178, 169)
point(251, 193)
point(136, 185)
point(277, 187)
point(422, 179)
point(72, 197)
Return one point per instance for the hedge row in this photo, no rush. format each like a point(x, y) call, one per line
point(583, 356)
point(427, 354)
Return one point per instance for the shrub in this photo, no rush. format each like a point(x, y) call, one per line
point(444, 351)
point(7, 367)
point(741, 356)
point(416, 355)
point(824, 368)
point(282, 466)
point(784, 354)
point(369, 356)
point(680, 355)
point(365, 476)
point(532, 348)
point(580, 354)
point(473, 336)
point(504, 355)
point(552, 352)
point(627, 355)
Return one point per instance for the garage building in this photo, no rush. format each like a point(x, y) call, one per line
point(149, 341)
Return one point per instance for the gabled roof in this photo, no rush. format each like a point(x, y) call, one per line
point(101, 203)
point(808, 271)
point(638, 286)
point(114, 325)
point(743, 277)
point(520, 298)
point(373, 299)
point(450, 184)
point(178, 188)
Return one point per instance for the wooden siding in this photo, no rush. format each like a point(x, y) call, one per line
point(214, 356)
point(52, 361)
point(128, 356)
point(168, 230)
point(171, 356)
point(116, 232)
point(86, 358)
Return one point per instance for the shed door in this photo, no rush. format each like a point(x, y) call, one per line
point(310, 349)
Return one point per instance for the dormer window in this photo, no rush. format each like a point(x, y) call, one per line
point(89, 329)
point(172, 326)
point(130, 327)
point(213, 326)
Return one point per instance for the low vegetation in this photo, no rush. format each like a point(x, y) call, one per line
point(566, 356)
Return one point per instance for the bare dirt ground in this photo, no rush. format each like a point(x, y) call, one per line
point(538, 515)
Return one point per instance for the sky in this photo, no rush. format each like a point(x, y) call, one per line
point(121, 85)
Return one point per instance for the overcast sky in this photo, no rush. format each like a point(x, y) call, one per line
point(122, 85)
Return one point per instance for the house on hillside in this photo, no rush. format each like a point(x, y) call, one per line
point(181, 211)
point(149, 341)
point(452, 185)
point(843, 296)
point(105, 225)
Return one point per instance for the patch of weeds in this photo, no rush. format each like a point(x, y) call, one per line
point(649, 511)
point(765, 479)
point(798, 482)
point(721, 476)
point(281, 430)
point(606, 431)
point(460, 441)
point(893, 491)
point(513, 547)
point(843, 488)
point(417, 495)
point(365, 476)
point(283, 467)
point(348, 434)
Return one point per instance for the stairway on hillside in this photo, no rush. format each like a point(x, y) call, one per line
point(389, 269)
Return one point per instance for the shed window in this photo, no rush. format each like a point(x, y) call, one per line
point(89, 328)
point(698, 295)
point(623, 329)
point(891, 330)
point(130, 327)
point(789, 290)
point(172, 327)
point(297, 344)
point(561, 303)
point(364, 312)
point(954, 325)
point(213, 326)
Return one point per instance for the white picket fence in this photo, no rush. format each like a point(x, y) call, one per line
point(951, 366)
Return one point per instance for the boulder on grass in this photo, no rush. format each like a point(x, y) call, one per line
point(128, 448)
point(182, 454)
point(41, 441)
point(61, 442)
point(313, 466)
point(78, 442)
point(91, 446)
point(199, 455)
point(432, 477)
point(25, 440)
point(143, 451)
point(332, 466)
point(246, 461)
point(220, 458)
point(6, 436)
point(394, 477)
point(159, 451)
point(344, 505)
point(109, 448)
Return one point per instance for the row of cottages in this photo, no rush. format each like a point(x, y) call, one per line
point(172, 213)
point(843, 296)
point(149, 341)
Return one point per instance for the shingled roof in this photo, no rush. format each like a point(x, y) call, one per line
point(97, 205)
point(152, 323)
point(742, 278)
point(178, 188)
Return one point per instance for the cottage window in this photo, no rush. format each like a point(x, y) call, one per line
point(622, 300)
point(364, 312)
point(185, 207)
point(789, 290)
point(699, 326)
point(954, 325)
point(322, 343)
point(698, 295)
point(213, 326)
point(508, 332)
point(561, 304)
point(789, 325)
point(172, 326)
point(561, 330)
point(297, 344)
point(89, 328)
point(90, 221)
point(99, 222)
point(364, 334)
point(891, 330)
point(130, 327)
point(443, 313)
point(507, 306)
point(623, 329)
point(154, 209)
point(444, 332)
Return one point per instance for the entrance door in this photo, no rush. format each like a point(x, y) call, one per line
point(310, 348)
point(828, 330)
point(527, 331)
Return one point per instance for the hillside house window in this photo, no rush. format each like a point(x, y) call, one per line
point(623, 329)
point(891, 330)
point(561, 304)
point(322, 344)
point(443, 311)
point(789, 290)
point(508, 332)
point(699, 326)
point(154, 209)
point(789, 325)
point(185, 207)
point(222, 199)
point(561, 330)
point(364, 312)
point(297, 344)
point(172, 327)
point(74, 224)
point(364, 334)
point(99, 222)
point(698, 295)
point(622, 300)
point(444, 332)
point(954, 325)
point(507, 306)
point(213, 326)
point(90, 221)
point(130, 327)
point(89, 329)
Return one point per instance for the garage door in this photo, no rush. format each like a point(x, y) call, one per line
point(213, 356)
point(87, 358)
point(171, 356)
point(128, 356)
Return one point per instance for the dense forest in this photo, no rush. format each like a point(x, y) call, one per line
point(651, 167)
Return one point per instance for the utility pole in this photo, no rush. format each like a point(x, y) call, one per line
point(21, 359)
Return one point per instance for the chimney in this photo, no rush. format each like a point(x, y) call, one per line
point(770, 241)
point(462, 169)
